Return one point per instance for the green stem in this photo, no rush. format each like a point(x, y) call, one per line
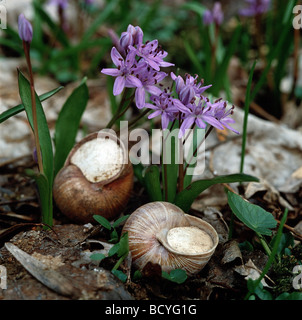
point(119, 262)
point(271, 258)
point(26, 47)
point(264, 244)
point(120, 111)
point(195, 151)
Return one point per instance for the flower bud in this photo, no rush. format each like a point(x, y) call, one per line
point(25, 28)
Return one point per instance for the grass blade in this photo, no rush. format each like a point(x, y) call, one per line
point(185, 198)
point(152, 183)
point(246, 113)
point(68, 122)
point(19, 108)
point(43, 131)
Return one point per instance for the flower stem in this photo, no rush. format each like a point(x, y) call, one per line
point(195, 151)
point(26, 47)
point(119, 112)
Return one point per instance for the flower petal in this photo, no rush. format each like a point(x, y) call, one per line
point(111, 72)
point(140, 96)
point(119, 85)
point(116, 57)
point(133, 81)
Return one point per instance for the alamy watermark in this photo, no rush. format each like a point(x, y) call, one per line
point(297, 21)
point(3, 277)
point(297, 281)
point(3, 15)
point(163, 146)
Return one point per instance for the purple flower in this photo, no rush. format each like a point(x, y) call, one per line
point(220, 112)
point(255, 7)
point(165, 106)
point(189, 88)
point(123, 72)
point(60, 3)
point(152, 54)
point(132, 37)
point(199, 114)
point(25, 29)
point(149, 79)
point(216, 15)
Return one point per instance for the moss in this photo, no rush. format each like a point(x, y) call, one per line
point(282, 271)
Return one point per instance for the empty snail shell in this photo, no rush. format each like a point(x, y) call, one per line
point(96, 179)
point(161, 233)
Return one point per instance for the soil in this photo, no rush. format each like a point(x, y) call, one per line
point(65, 250)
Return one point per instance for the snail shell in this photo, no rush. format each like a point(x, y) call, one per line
point(85, 187)
point(152, 231)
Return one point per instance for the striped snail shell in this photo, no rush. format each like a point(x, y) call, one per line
point(161, 233)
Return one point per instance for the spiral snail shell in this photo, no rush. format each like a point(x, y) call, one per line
point(96, 179)
point(161, 233)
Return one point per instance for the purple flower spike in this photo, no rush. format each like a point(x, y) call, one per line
point(207, 17)
point(123, 73)
point(216, 15)
point(25, 29)
point(255, 7)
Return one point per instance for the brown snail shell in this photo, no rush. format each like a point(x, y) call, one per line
point(83, 188)
point(152, 229)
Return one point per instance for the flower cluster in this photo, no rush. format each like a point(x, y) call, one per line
point(255, 7)
point(138, 65)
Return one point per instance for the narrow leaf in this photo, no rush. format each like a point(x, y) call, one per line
point(45, 196)
point(68, 123)
point(43, 131)
point(185, 198)
point(152, 183)
point(19, 108)
point(102, 221)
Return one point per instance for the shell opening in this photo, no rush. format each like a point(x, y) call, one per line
point(99, 159)
point(189, 240)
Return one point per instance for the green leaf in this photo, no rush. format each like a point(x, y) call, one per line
point(113, 236)
point(102, 221)
point(123, 245)
point(19, 108)
point(222, 68)
point(185, 198)
point(120, 220)
point(251, 215)
point(137, 275)
point(290, 296)
point(98, 21)
point(121, 248)
point(53, 27)
point(178, 275)
point(152, 183)
point(119, 274)
point(97, 256)
point(246, 113)
point(171, 159)
point(68, 123)
point(45, 144)
point(45, 195)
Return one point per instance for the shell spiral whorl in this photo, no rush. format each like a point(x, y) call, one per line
point(147, 229)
